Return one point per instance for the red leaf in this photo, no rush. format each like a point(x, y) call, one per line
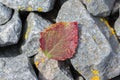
point(60, 40)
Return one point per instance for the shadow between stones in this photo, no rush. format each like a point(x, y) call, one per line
point(67, 66)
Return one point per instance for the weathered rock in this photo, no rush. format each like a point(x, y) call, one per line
point(30, 5)
point(117, 26)
point(109, 33)
point(52, 69)
point(34, 25)
point(113, 61)
point(80, 78)
point(5, 14)
point(10, 32)
point(95, 58)
point(99, 7)
point(15, 67)
point(116, 6)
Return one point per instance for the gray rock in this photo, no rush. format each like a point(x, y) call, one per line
point(113, 61)
point(34, 25)
point(52, 69)
point(95, 58)
point(99, 7)
point(16, 68)
point(117, 26)
point(5, 14)
point(113, 66)
point(30, 5)
point(10, 32)
point(116, 6)
point(109, 33)
point(80, 78)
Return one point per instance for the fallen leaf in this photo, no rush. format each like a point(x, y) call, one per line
point(60, 40)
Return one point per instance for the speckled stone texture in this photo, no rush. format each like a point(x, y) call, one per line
point(117, 26)
point(30, 5)
point(10, 32)
point(99, 7)
point(95, 58)
point(34, 25)
point(97, 55)
point(52, 69)
point(15, 66)
point(5, 14)
point(116, 6)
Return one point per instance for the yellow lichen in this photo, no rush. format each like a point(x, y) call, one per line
point(95, 72)
point(95, 75)
point(36, 64)
point(95, 78)
point(101, 19)
point(39, 9)
point(20, 8)
point(27, 32)
point(94, 37)
point(29, 8)
point(42, 60)
point(107, 24)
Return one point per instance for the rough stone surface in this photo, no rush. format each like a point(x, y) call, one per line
point(30, 5)
point(108, 32)
point(5, 14)
point(95, 58)
point(52, 69)
point(99, 7)
point(10, 32)
point(116, 6)
point(34, 25)
point(97, 55)
point(117, 26)
point(14, 66)
point(80, 78)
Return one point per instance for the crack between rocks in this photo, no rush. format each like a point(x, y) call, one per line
point(111, 20)
point(75, 74)
point(31, 60)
